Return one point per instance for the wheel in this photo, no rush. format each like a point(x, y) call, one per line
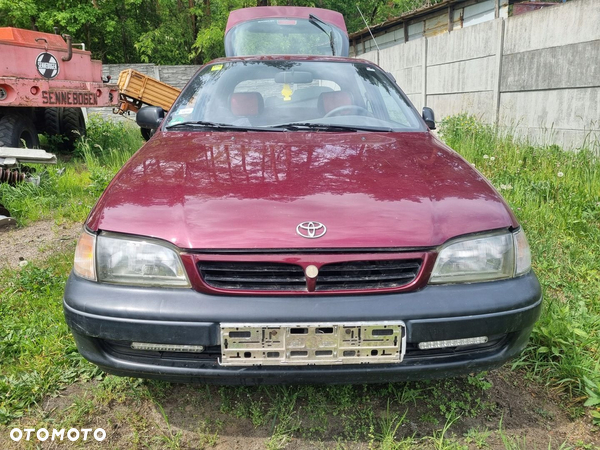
point(18, 131)
point(52, 121)
point(347, 108)
point(72, 126)
point(147, 133)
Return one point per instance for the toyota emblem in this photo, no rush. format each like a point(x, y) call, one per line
point(311, 230)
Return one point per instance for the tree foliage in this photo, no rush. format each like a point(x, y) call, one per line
point(167, 31)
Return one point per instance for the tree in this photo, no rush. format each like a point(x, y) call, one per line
point(167, 31)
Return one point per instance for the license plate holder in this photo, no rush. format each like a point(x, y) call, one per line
point(283, 344)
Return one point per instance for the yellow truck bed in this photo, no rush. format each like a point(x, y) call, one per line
point(137, 89)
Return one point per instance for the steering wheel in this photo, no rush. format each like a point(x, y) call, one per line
point(357, 109)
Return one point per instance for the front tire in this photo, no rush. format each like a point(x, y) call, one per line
point(18, 131)
point(72, 126)
point(52, 121)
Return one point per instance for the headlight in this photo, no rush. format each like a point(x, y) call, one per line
point(483, 258)
point(128, 260)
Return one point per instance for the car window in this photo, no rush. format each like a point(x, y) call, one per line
point(272, 36)
point(274, 93)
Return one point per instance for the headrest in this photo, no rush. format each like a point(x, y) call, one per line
point(328, 101)
point(246, 104)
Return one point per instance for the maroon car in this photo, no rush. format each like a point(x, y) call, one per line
point(294, 220)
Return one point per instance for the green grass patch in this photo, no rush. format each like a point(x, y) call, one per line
point(37, 352)
point(556, 197)
point(68, 190)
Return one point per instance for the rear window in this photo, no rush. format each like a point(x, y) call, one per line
point(281, 36)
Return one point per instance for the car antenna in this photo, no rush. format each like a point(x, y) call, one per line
point(368, 28)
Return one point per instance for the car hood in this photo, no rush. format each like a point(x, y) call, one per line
point(250, 190)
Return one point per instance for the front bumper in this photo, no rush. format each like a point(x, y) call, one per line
point(105, 319)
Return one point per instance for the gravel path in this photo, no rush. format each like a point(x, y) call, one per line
point(36, 241)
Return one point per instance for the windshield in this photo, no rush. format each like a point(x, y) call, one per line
point(285, 37)
point(317, 94)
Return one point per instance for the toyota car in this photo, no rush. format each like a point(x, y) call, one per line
point(294, 220)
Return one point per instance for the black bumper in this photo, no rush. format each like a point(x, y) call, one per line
point(102, 314)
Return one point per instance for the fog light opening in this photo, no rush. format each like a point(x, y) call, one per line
point(452, 343)
point(167, 347)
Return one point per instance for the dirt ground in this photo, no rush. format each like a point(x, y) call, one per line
point(34, 242)
point(529, 415)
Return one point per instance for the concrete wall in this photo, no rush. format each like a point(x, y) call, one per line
point(537, 74)
point(429, 22)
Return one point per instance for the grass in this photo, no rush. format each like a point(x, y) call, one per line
point(37, 352)
point(68, 190)
point(556, 196)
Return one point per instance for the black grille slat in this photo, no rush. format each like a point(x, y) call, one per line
point(381, 277)
point(253, 267)
point(277, 277)
point(209, 278)
point(357, 275)
point(366, 266)
point(255, 276)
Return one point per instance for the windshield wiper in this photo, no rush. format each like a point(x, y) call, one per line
point(219, 126)
point(314, 19)
point(296, 126)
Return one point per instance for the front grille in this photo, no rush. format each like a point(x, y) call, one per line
point(344, 276)
point(253, 276)
point(353, 275)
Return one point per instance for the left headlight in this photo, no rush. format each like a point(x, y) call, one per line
point(482, 258)
point(133, 261)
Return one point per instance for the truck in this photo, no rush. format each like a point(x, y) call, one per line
point(44, 84)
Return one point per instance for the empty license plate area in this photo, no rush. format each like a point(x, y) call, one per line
point(312, 344)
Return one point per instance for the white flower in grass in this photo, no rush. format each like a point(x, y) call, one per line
point(492, 158)
point(485, 156)
point(560, 174)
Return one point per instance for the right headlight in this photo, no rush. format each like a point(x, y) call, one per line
point(482, 258)
point(130, 260)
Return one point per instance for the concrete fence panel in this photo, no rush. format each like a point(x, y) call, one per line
point(537, 74)
point(463, 44)
point(561, 25)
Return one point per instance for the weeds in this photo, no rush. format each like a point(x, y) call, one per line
point(556, 196)
point(37, 352)
point(68, 191)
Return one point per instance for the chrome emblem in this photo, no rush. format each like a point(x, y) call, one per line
point(311, 230)
point(311, 271)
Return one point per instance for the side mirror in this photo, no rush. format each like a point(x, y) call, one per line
point(150, 117)
point(429, 117)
